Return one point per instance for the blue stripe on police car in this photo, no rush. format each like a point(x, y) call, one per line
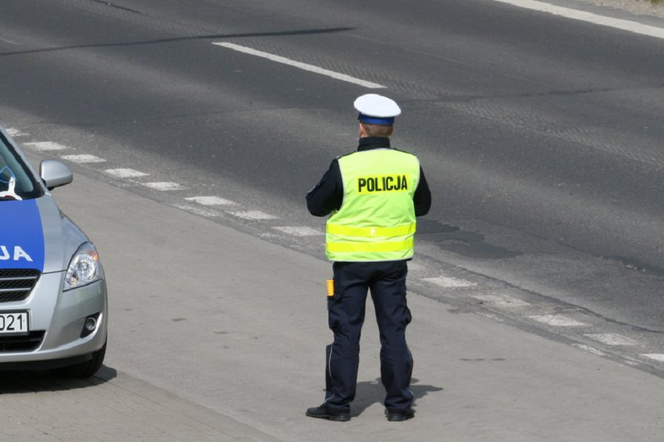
point(21, 235)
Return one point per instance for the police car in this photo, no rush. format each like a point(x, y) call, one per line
point(53, 304)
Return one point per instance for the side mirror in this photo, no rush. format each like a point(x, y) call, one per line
point(55, 174)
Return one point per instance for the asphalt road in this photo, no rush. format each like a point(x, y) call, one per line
point(539, 135)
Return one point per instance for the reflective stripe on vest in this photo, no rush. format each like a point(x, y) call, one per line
point(371, 232)
point(376, 221)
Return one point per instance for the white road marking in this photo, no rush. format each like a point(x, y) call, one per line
point(201, 211)
point(299, 231)
point(125, 173)
point(81, 159)
point(490, 316)
point(448, 282)
point(654, 357)
point(589, 349)
point(625, 25)
point(163, 186)
point(304, 66)
point(45, 146)
point(210, 201)
point(253, 215)
point(16, 133)
point(611, 339)
point(501, 301)
point(557, 321)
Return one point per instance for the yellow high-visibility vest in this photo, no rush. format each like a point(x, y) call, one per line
point(376, 221)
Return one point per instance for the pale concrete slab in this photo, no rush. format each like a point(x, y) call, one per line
point(111, 406)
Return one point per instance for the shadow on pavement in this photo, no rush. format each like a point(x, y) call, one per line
point(371, 392)
point(20, 382)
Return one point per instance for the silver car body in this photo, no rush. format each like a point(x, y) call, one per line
point(36, 236)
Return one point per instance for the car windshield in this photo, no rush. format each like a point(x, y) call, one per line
point(16, 181)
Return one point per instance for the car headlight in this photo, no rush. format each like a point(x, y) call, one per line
point(84, 268)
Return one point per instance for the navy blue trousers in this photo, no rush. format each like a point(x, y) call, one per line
point(387, 283)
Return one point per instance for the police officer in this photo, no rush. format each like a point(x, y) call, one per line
point(372, 196)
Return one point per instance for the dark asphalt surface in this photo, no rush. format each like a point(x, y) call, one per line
point(532, 129)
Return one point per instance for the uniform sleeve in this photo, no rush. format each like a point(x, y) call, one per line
point(327, 195)
point(422, 197)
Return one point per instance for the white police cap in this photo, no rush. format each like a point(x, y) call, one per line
point(376, 109)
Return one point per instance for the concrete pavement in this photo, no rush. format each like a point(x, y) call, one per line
point(218, 335)
point(111, 406)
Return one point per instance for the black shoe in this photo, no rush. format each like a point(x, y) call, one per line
point(399, 416)
point(321, 413)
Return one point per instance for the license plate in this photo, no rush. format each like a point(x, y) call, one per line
point(11, 323)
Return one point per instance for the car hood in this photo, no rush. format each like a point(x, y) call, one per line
point(34, 234)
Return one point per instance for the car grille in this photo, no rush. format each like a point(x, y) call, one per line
point(16, 284)
point(21, 343)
